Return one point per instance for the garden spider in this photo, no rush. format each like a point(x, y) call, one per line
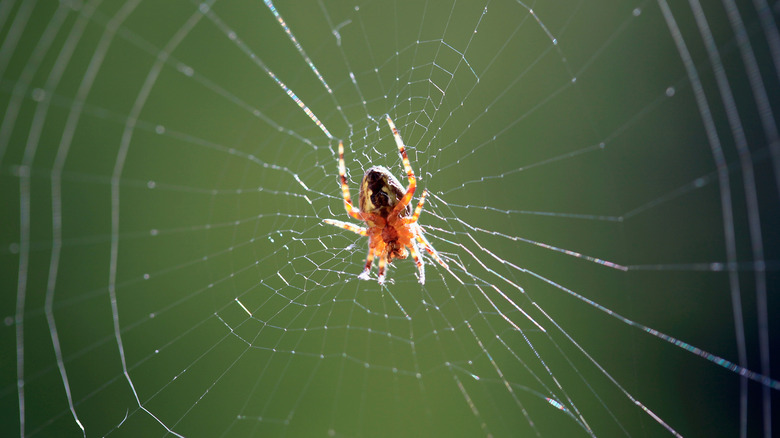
point(385, 208)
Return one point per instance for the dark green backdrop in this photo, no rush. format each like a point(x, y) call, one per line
point(148, 156)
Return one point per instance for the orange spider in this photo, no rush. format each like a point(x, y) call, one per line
point(385, 208)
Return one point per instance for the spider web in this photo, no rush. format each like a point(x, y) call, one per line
point(603, 179)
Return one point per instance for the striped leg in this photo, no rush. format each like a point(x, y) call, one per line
point(427, 246)
point(418, 210)
point(347, 226)
point(418, 261)
point(351, 210)
point(366, 274)
point(382, 263)
point(407, 166)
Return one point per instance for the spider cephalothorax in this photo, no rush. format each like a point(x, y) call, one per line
point(385, 207)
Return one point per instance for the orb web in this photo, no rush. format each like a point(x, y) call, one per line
point(603, 183)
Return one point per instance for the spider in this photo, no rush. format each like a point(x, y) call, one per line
point(385, 208)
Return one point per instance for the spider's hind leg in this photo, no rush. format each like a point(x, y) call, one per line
point(427, 247)
point(382, 263)
point(418, 261)
point(366, 274)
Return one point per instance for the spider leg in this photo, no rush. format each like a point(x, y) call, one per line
point(418, 210)
point(418, 261)
point(427, 246)
point(403, 202)
point(347, 226)
point(365, 275)
point(351, 210)
point(382, 263)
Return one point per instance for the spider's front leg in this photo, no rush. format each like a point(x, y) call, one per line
point(407, 198)
point(417, 210)
point(347, 226)
point(351, 210)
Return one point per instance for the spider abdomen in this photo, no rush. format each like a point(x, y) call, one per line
point(380, 191)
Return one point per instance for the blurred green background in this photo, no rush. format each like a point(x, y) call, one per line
point(147, 155)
